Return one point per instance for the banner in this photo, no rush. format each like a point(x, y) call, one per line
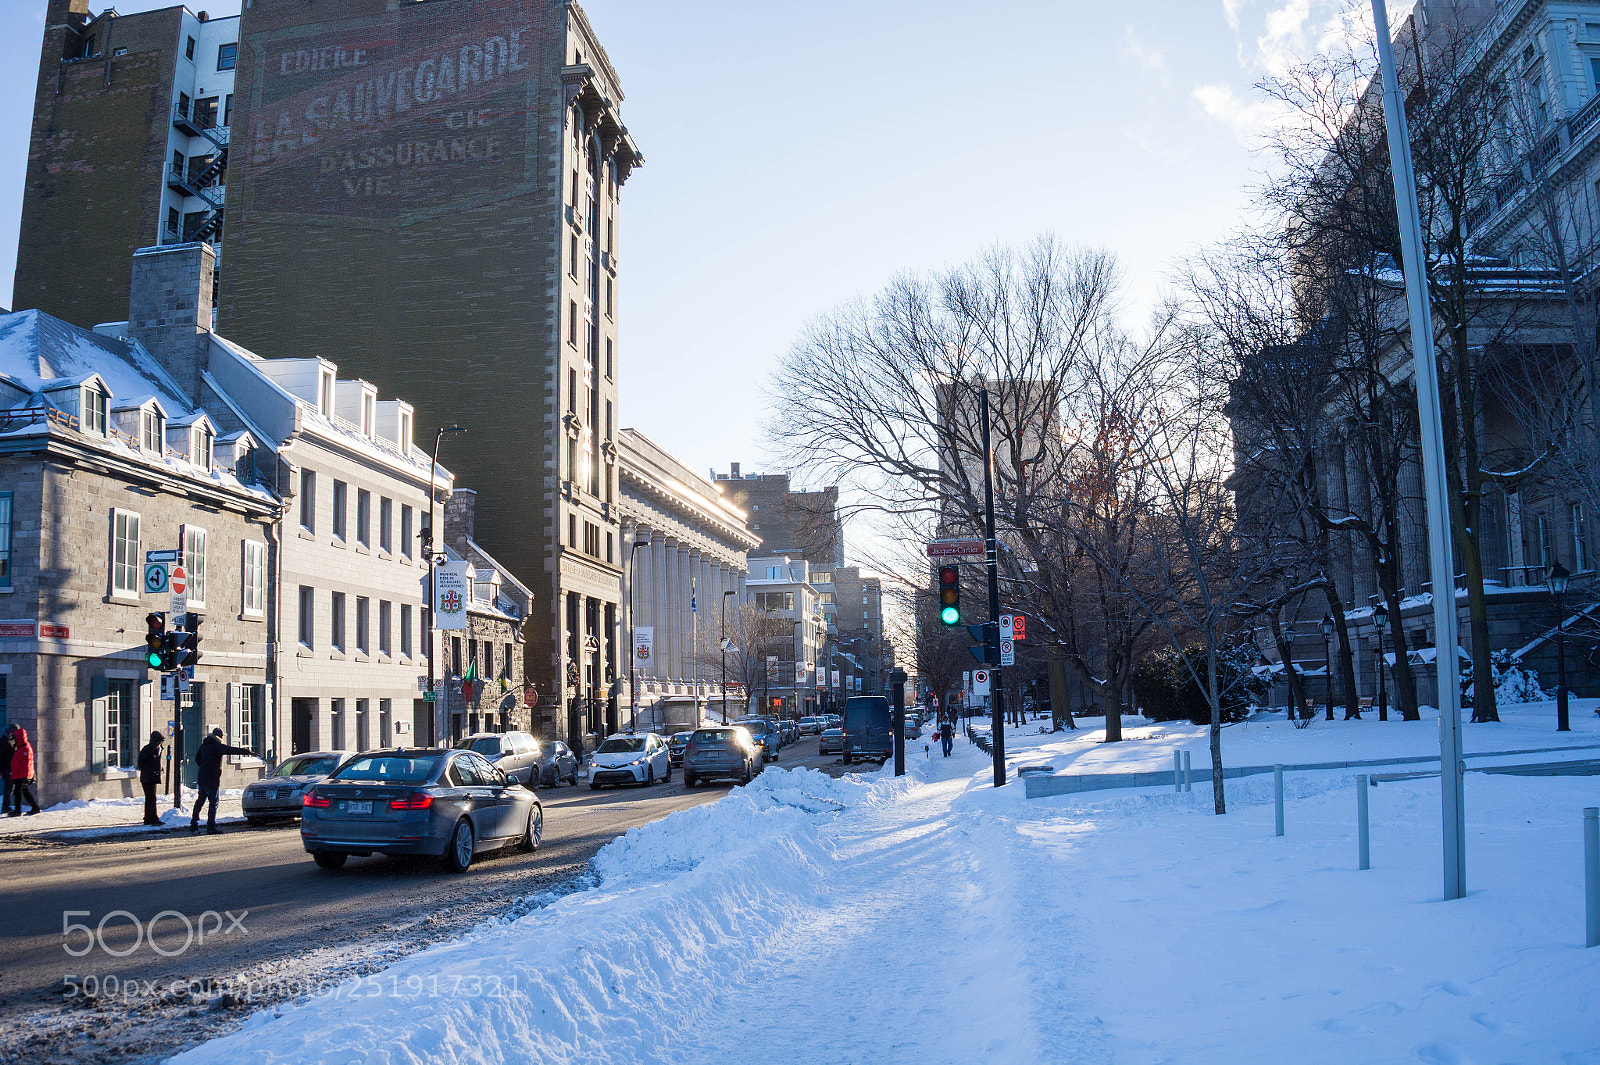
point(450, 596)
point(644, 637)
point(835, 683)
point(799, 673)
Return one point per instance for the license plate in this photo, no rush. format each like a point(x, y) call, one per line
point(358, 807)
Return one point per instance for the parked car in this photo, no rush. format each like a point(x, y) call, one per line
point(831, 741)
point(791, 727)
point(451, 804)
point(514, 753)
point(868, 728)
point(556, 763)
point(279, 795)
point(810, 726)
point(912, 729)
point(723, 751)
point(639, 758)
point(765, 736)
point(675, 746)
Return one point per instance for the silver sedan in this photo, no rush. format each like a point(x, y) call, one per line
point(279, 795)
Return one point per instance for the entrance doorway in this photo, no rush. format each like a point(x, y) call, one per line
point(302, 725)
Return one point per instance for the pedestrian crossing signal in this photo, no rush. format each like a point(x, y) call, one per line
point(950, 595)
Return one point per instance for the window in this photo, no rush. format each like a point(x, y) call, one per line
point(227, 110)
point(122, 726)
point(188, 48)
point(325, 394)
point(369, 421)
point(205, 112)
point(174, 219)
point(1542, 530)
point(94, 411)
point(150, 431)
point(572, 261)
point(385, 722)
point(363, 624)
point(194, 563)
point(183, 104)
point(336, 718)
point(427, 631)
point(405, 531)
point(5, 539)
point(336, 621)
point(608, 297)
point(126, 574)
point(608, 419)
point(572, 390)
point(385, 619)
point(363, 517)
point(308, 616)
point(255, 577)
point(227, 54)
point(455, 655)
point(572, 530)
point(610, 547)
point(1580, 537)
point(385, 524)
point(510, 657)
point(405, 629)
point(341, 492)
point(308, 501)
point(591, 539)
point(572, 322)
point(200, 447)
point(363, 726)
point(177, 164)
point(608, 359)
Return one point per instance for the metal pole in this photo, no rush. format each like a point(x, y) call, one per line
point(1277, 798)
point(1440, 549)
point(897, 691)
point(430, 539)
point(997, 719)
point(1563, 724)
point(725, 654)
point(1591, 876)
point(1383, 688)
point(1187, 774)
point(1327, 679)
point(633, 647)
point(1177, 771)
point(1363, 834)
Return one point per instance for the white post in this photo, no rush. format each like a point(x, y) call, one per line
point(1363, 835)
point(1591, 875)
point(1435, 491)
point(1177, 771)
point(1187, 777)
point(1277, 797)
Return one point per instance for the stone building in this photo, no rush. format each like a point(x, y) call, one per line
point(802, 524)
point(794, 634)
point(103, 456)
point(686, 547)
point(497, 610)
point(129, 149)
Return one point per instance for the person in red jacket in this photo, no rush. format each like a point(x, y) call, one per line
point(22, 773)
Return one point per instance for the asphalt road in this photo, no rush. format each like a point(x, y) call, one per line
point(274, 923)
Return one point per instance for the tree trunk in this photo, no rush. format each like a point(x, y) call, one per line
point(1290, 673)
point(1347, 663)
point(1214, 697)
point(1060, 709)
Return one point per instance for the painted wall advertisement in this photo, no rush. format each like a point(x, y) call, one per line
point(450, 592)
point(644, 638)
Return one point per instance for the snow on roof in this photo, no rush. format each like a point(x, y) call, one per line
point(41, 353)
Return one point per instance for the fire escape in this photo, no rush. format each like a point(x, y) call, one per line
point(202, 182)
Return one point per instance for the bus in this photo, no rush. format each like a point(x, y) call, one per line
point(868, 729)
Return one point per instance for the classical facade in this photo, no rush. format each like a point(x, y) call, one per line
point(685, 546)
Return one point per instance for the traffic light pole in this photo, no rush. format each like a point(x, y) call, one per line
point(997, 718)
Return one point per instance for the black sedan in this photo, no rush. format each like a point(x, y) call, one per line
point(451, 805)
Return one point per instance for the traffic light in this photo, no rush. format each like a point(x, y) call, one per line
point(950, 595)
point(987, 650)
point(188, 649)
point(155, 638)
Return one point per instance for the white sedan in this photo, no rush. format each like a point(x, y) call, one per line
point(639, 758)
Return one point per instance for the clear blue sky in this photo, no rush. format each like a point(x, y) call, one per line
point(800, 154)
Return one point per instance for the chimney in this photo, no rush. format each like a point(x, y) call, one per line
point(460, 516)
point(170, 301)
point(733, 471)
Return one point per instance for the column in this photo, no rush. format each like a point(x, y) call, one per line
point(671, 625)
point(656, 591)
point(695, 589)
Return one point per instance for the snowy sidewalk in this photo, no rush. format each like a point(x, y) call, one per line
point(80, 820)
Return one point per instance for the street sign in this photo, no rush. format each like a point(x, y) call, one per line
point(1008, 651)
point(1019, 627)
point(155, 577)
point(430, 697)
point(980, 682)
point(422, 683)
point(178, 583)
point(1005, 626)
point(161, 556)
point(954, 548)
point(168, 690)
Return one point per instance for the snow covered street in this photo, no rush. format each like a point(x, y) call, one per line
point(934, 920)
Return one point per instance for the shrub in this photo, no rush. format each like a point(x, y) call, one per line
point(1166, 690)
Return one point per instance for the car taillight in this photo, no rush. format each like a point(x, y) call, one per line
point(417, 800)
point(690, 749)
point(320, 802)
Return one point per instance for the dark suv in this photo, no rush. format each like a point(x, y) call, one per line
point(516, 754)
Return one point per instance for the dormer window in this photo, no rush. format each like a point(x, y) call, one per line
point(92, 416)
point(150, 431)
point(200, 447)
point(325, 394)
point(483, 591)
point(405, 433)
point(369, 420)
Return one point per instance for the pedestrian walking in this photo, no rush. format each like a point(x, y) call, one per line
point(150, 775)
point(22, 770)
point(947, 735)
point(209, 760)
point(7, 749)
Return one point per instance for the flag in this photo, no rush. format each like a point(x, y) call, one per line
point(469, 687)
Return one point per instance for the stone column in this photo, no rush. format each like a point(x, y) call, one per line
point(670, 626)
point(655, 591)
point(691, 628)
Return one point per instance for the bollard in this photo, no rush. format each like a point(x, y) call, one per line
point(1363, 834)
point(1591, 875)
point(1277, 796)
point(1177, 771)
point(1186, 774)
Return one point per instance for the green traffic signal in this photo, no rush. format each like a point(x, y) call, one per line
point(950, 595)
point(950, 616)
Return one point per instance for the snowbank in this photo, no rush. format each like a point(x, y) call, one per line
point(93, 818)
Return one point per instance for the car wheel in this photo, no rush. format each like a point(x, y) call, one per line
point(458, 853)
point(535, 833)
point(689, 779)
point(649, 775)
point(668, 778)
point(572, 777)
point(594, 786)
point(330, 859)
point(257, 821)
point(748, 775)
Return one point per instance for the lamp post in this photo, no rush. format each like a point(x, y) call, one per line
point(1290, 673)
point(633, 648)
point(1556, 580)
point(1380, 621)
point(724, 645)
point(440, 716)
point(1327, 665)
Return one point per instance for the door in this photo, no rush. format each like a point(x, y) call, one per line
point(499, 800)
point(192, 718)
point(304, 715)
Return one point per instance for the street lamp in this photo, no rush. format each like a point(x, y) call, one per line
point(731, 591)
point(1556, 580)
point(633, 648)
point(1290, 673)
point(1327, 665)
point(1380, 621)
point(440, 718)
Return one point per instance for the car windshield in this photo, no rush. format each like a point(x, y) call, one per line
point(390, 768)
point(483, 745)
point(715, 735)
point(682, 737)
point(319, 766)
point(621, 745)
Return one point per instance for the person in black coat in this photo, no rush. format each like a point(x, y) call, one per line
point(150, 775)
point(209, 761)
point(7, 749)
